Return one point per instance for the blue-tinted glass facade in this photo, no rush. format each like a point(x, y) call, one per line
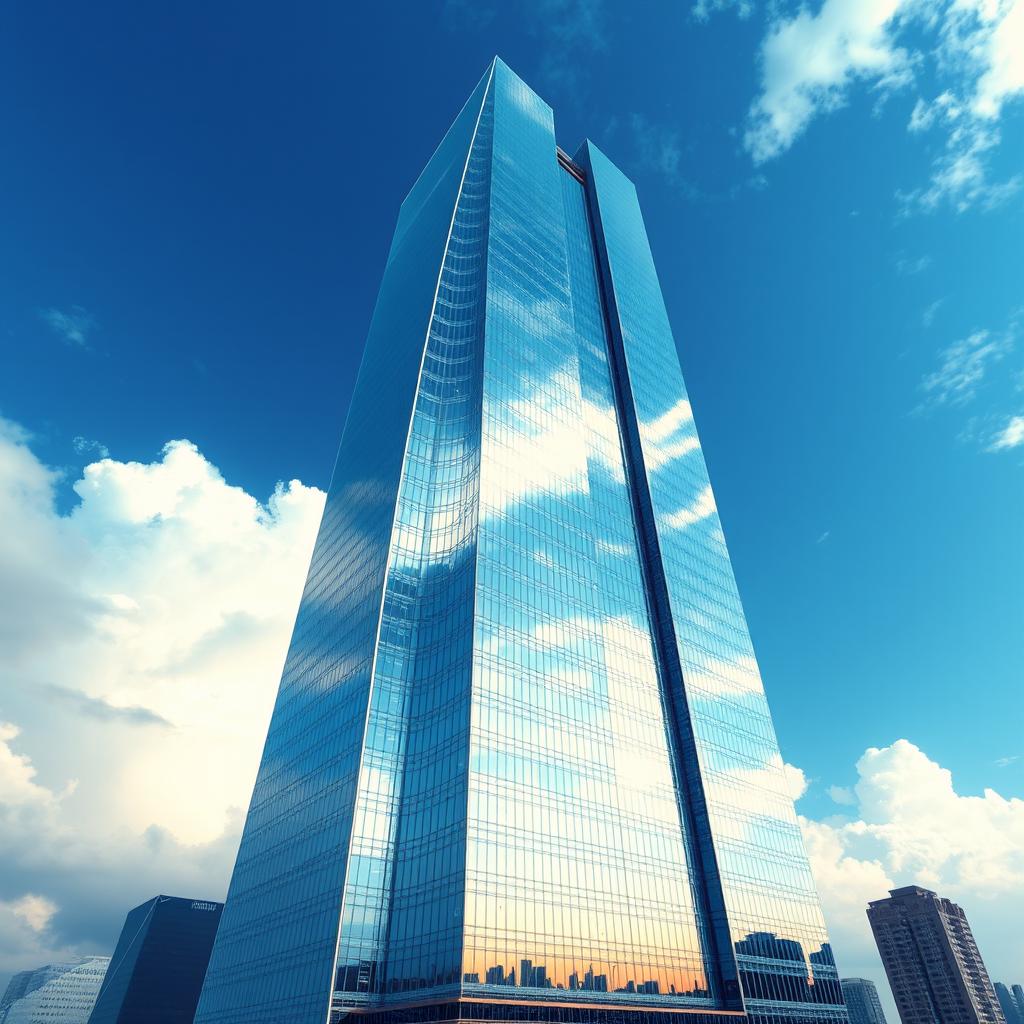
point(521, 766)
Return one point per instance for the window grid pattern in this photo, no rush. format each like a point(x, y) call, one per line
point(776, 928)
point(520, 753)
point(577, 874)
point(58, 992)
point(401, 923)
point(274, 958)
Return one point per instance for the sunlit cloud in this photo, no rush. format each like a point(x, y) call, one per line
point(141, 646)
point(809, 62)
point(908, 824)
point(1010, 436)
point(969, 54)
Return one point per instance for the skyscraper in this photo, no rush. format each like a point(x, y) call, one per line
point(862, 1002)
point(61, 993)
point(1018, 997)
point(932, 962)
point(157, 970)
point(520, 766)
point(1009, 1004)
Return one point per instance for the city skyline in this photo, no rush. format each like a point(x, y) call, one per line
point(197, 208)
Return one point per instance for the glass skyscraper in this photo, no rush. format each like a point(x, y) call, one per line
point(520, 766)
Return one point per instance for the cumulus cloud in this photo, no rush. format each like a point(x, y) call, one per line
point(35, 911)
point(809, 62)
point(911, 826)
point(166, 595)
point(965, 56)
point(143, 637)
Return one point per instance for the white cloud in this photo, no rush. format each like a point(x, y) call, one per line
point(140, 648)
point(1010, 436)
point(990, 34)
point(86, 446)
point(960, 175)
point(968, 53)
point(703, 9)
point(18, 786)
point(809, 61)
point(842, 795)
point(911, 826)
point(796, 781)
point(35, 911)
point(964, 366)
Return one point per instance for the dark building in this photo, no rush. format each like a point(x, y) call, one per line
point(157, 970)
point(1013, 1009)
point(932, 962)
point(862, 1002)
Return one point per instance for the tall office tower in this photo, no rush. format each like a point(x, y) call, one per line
point(61, 993)
point(1018, 996)
point(934, 968)
point(158, 966)
point(1008, 1001)
point(520, 766)
point(862, 1002)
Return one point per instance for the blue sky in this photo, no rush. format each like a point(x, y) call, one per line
point(197, 202)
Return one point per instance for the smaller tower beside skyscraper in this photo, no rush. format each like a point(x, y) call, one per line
point(1013, 1007)
point(1018, 995)
point(932, 962)
point(862, 1002)
point(158, 967)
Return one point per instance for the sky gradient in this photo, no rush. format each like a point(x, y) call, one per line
point(196, 208)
